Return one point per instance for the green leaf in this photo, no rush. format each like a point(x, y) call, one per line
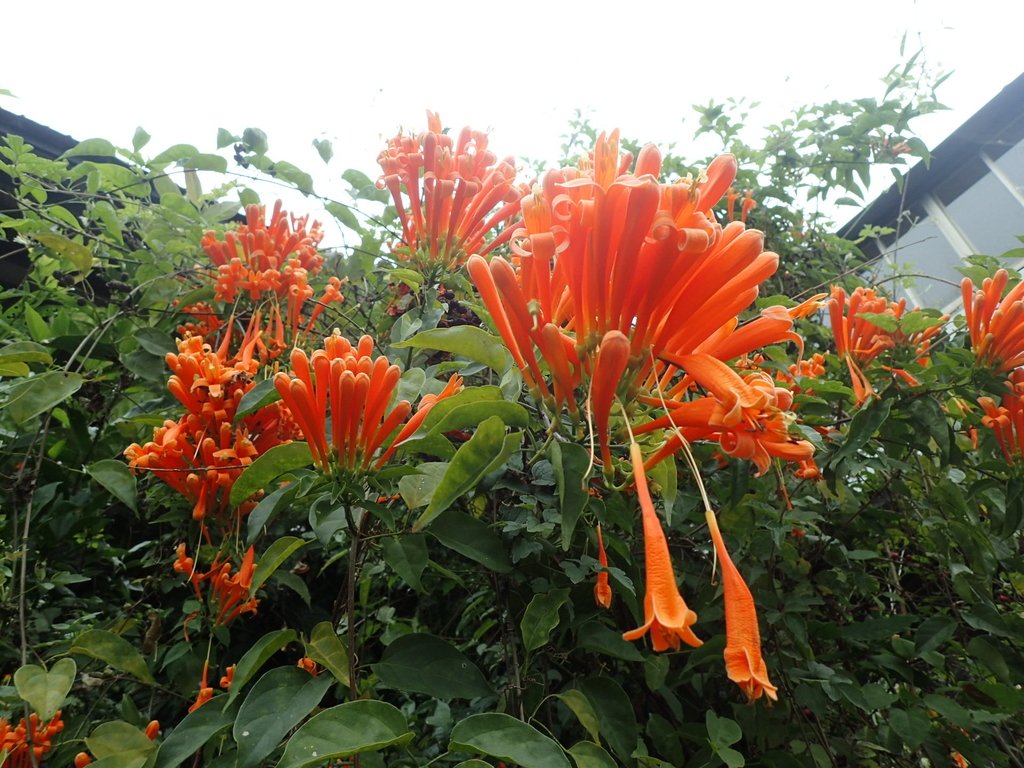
point(45, 691)
point(933, 633)
point(140, 138)
point(93, 147)
point(31, 397)
point(37, 327)
point(541, 617)
point(470, 395)
point(732, 758)
point(421, 663)
point(273, 558)
point(407, 556)
point(121, 740)
point(614, 713)
point(115, 476)
point(570, 462)
point(226, 138)
point(595, 636)
point(25, 351)
point(587, 754)
point(324, 149)
point(474, 763)
point(467, 468)
point(271, 465)
point(580, 706)
point(113, 650)
point(325, 648)
point(196, 729)
point(348, 729)
point(269, 506)
point(506, 738)
point(863, 426)
point(73, 255)
point(276, 704)
point(472, 538)
point(470, 342)
point(418, 489)
point(254, 659)
point(345, 214)
point(912, 727)
point(155, 341)
point(721, 730)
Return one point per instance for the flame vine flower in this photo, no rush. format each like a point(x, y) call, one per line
point(616, 280)
point(344, 387)
point(26, 744)
point(995, 322)
point(450, 195)
point(1007, 419)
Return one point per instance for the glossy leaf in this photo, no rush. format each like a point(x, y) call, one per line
point(195, 730)
point(33, 396)
point(570, 462)
point(614, 713)
point(347, 729)
point(472, 538)
point(115, 476)
point(260, 396)
point(325, 648)
point(587, 754)
point(273, 558)
point(467, 341)
point(407, 556)
point(271, 465)
point(579, 706)
point(259, 653)
point(541, 617)
point(277, 703)
point(504, 737)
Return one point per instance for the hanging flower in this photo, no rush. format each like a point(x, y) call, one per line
point(995, 322)
point(602, 589)
point(743, 660)
point(666, 615)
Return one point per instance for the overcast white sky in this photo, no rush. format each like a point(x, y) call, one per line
point(354, 72)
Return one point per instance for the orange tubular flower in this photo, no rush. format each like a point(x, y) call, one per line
point(602, 251)
point(262, 257)
point(602, 589)
point(1007, 420)
point(449, 195)
point(859, 341)
point(205, 691)
point(666, 615)
point(743, 661)
point(355, 389)
point(995, 322)
point(26, 744)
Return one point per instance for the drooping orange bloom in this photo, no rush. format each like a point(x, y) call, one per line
point(743, 660)
point(228, 594)
point(601, 253)
point(450, 195)
point(859, 340)
point(666, 615)
point(25, 745)
point(345, 387)
point(264, 257)
point(1007, 420)
point(995, 322)
point(228, 678)
point(602, 589)
point(308, 665)
point(205, 690)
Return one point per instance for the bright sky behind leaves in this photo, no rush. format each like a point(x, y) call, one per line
point(353, 72)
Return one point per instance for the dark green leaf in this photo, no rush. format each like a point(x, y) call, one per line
point(580, 706)
point(271, 465)
point(273, 558)
point(587, 754)
point(325, 648)
point(260, 396)
point(115, 476)
point(195, 730)
point(254, 658)
point(570, 462)
point(276, 704)
point(506, 738)
point(33, 396)
point(421, 663)
point(348, 729)
point(912, 727)
point(472, 538)
point(407, 556)
point(614, 713)
point(113, 650)
point(541, 617)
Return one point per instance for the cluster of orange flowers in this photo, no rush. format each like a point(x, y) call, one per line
point(450, 195)
point(347, 387)
point(25, 745)
point(229, 595)
point(203, 453)
point(630, 289)
point(1007, 420)
point(859, 340)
